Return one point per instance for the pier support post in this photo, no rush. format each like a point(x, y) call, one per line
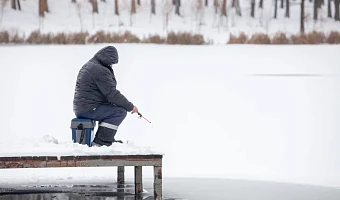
point(120, 182)
point(120, 177)
point(138, 180)
point(157, 185)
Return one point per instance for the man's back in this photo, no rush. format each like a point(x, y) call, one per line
point(87, 95)
point(96, 83)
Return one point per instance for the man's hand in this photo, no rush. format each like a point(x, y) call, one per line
point(134, 110)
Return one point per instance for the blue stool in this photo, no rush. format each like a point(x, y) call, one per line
point(82, 130)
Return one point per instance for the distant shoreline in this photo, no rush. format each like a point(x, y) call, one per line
point(172, 38)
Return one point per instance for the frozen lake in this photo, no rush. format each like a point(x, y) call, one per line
point(261, 113)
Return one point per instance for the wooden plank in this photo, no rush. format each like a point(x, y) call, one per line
point(157, 185)
point(138, 179)
point(80, 161)
point(89, 157)
point(99, 163)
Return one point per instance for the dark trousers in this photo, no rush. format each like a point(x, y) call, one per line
point(109, 118)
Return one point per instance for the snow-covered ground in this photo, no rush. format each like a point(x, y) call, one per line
point(215, 112)
point(50, 146)
point(64, 17)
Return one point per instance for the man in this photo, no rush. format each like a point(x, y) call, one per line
point(97, 98)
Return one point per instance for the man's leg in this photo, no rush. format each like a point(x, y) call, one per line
point(109, 117)
point(108, 127)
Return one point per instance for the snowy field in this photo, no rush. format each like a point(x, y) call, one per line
point(65, 16)
point(237, 112)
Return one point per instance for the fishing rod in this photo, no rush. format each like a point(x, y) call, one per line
point(140, 116)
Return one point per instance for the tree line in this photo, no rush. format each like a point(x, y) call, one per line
point(220, 7)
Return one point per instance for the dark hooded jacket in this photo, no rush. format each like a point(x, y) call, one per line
point(96, 83)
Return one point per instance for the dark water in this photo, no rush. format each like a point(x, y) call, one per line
point(177, 189)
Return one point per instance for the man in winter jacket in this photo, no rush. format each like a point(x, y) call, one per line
point(97, 98)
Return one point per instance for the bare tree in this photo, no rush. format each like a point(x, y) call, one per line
point(302, 17)
point(153, 7)
point(168, 7)
point(206, 2)
point(73, 1)
point(275, 9)
point(3, 4)
point(287, 14)
point(103, 1)
point(329, 9)
point(116, 7)
point(41, 8)
point(132, 11)
point(178, 5)
point(78, 6)
point(236, 4)
point(15, 4)
point(224, 8)
point(337, 10)
point(261, 4)
point(315, 11)
point(133, 6)
point(94, 4)
point(216, 5)
point(45, 4)
point(282, 4)
point(138, 2)
point(19, 6)
point(252, 13)
point(238, 7)
point(200, 12)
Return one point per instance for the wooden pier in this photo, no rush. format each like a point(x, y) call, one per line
point(138, 161)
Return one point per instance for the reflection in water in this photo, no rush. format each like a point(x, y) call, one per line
point(179, 189)
point(77, 192)
point(68, 196)
point(60, 196)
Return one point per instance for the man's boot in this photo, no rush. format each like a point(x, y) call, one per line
point(104, 136)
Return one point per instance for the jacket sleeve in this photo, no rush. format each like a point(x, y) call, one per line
point(107, 87)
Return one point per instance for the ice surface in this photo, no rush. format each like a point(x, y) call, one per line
point(213, 112)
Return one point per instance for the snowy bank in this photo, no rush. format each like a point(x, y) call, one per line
point(65, 16)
